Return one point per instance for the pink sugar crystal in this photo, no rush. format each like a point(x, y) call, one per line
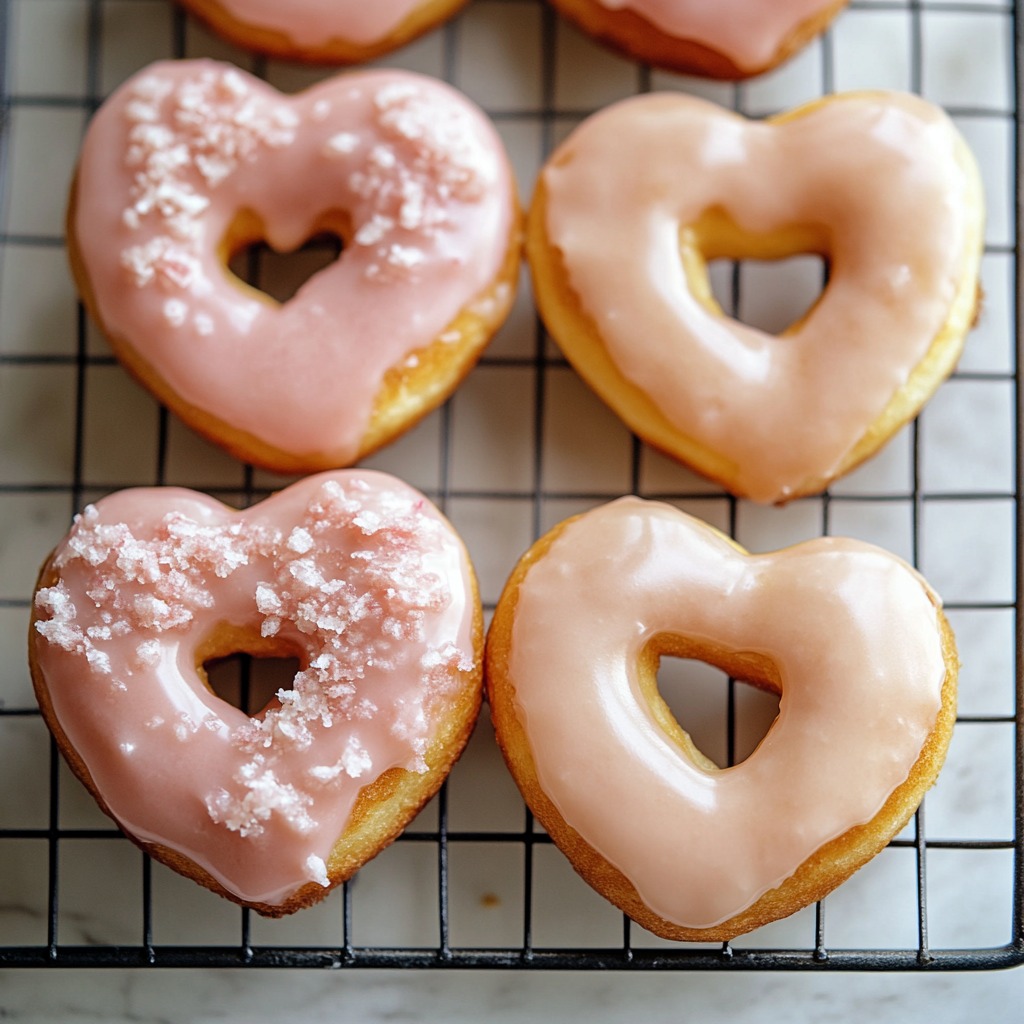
point(263, 795)
point(182, 141)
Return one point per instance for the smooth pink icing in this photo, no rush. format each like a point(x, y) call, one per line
point(317, 22)
point(883, 176)
point(355, 572)
point(748, 32)
point(852, 631)
point(177, 152)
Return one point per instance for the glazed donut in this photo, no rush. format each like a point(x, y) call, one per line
point(630, 208)
point(190, 161)
point(729, 39)
point(354, 574)
point(853, 640)
point(329, 31)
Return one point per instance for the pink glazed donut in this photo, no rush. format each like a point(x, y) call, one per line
point(730, 39)
point(189, 162)
point(851, 638)
point(630, 209)
point(328, 31)
point(354, 574)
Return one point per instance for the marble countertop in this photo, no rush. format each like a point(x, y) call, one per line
point(138, 997)
point(510, 467)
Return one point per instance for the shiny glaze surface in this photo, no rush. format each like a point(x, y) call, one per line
point(184, 149)
point(316, 22)
point(852, 632)
point(353, 573)
point(778, 410)
point(748, 32)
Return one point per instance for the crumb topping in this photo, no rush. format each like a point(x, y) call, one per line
point(349, 586)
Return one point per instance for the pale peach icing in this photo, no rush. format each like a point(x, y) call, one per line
point(884, 185)
point(182, 149)
point(748, 32)
point(852, 631)
point(356, 573)
point(316, 22)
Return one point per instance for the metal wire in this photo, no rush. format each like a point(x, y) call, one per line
point(542, 363)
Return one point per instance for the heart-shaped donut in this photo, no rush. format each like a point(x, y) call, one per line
point(333, 31)
point(634, 203)
point(726, 39)
point(354, 574)
point(190, 161)
point(852, 639)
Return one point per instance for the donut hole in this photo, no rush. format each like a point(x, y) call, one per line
point(770, 282)
point(703, 708)
point(250, 682)
point(774, 296)
point(276, 271)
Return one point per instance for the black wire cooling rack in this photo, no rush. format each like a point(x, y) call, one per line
point(41, 924)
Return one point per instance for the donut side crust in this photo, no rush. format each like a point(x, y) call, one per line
point(409, 391)
point(426, 16)
point(383, 808)
point(819, 874)
point(638, 38)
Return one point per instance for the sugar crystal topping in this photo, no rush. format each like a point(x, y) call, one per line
point(404, 168)
point(136, 585)
point(429, 156)
point(350, 585)
point(207, 125)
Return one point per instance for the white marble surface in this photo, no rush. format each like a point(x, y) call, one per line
point(205, 997)
point(486, 444)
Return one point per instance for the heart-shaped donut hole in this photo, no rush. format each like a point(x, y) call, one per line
point(718, 719)
point(771, 282)
point(277, 272)
point(250, 680)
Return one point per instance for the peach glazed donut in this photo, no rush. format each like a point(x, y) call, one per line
point(853, 640)
point(330, 31)
point(729, 39)
point(354, 574)
point(191, 161)
point(632, 206)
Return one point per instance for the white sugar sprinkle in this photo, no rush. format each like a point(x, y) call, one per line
point(342, 143)
point(175, 312)
point(148, 652)
point(300, 540)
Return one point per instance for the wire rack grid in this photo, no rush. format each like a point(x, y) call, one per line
point(473, 882)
